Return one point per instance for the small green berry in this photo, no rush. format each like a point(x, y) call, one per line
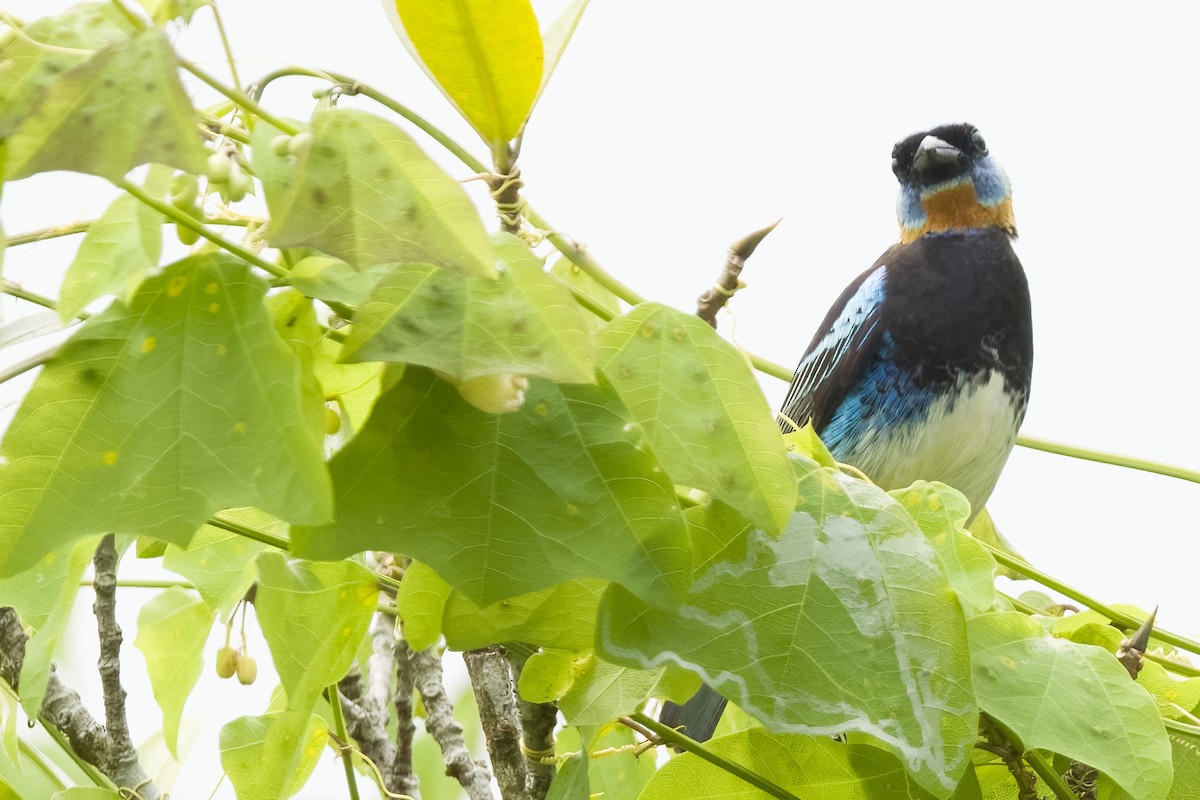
point(247, 669)
point(186, 234)
point(239, 184)
point(333, 421)
point(227, 662)
point(280, 144)
point(218, 168)
point(300, 144)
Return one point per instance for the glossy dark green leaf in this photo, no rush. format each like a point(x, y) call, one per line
point(524, 322)
point(49, 48)
point(313, 616)
point(704, 414)
point(157, 414)
point(1073, 699)
point(364, 192)
point(811, 767)
point(122, 107)
point(503, 505)
point(844, 622)
point(172, 630)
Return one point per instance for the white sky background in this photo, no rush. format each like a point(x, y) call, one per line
point(672, 129)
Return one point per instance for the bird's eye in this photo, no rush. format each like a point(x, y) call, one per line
point(896, 167)
point(979, 144)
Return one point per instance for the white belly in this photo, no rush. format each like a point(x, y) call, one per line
point(963, 442)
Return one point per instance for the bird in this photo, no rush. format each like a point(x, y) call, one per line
point(921, 369)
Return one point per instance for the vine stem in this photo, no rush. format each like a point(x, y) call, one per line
point(1024, 568)
point(186, 220)
point(1113, 459)
point(239, 98)
point(339, 727)
point(674, 737)
point(1034, 759)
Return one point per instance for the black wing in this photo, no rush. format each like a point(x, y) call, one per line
point(830, 367)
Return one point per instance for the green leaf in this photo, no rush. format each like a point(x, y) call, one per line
point(601, 691)
point(364, 192)
point(563, 616)
point(421, 601)
point(49, 47)
point(812, 767)
point(122, 107)
point(334, 280)
point(571, 780)
point(164, 11)
point(556, 38)
point(220, 564)
point(525, 322)
point(805, 442)
point(160, 412)
point(86, 793)
point(171, 633)
point(485, 55)
point(503, 505)
point(585, 284)
point(548, 674)
point(43, 596)
point(1185, 756)
point(313, 616)
point(843, 623)
point(703, 412)
point(617, 774)
point(271, 757)
point(121, 247)
point(941, 513)
point(1073, 699)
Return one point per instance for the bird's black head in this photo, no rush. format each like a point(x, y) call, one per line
point(949, 182)
point(938, 155)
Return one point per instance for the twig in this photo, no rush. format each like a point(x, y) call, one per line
point(1002, 736)
point(474, 776)
point(538, 721)
point(492, 682)
point(400, 771)
point(1011, 756)
point(122, 764)
point(713, 300)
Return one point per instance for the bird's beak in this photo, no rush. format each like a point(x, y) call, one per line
point(932, 152)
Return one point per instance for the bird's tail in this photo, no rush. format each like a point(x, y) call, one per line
point(697, 717)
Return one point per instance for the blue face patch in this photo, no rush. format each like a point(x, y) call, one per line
point(991, 189)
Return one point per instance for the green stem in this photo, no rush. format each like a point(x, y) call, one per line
point(237, 82)
point(48, 233)
point(226, 129)
point(185, 219)
point(352, 86)
point(233, 526)
point(1182, 727)
point(674, 737)
point(339, 727)
point(13, 289)
point(146, 583)
point(1173, 666)
point(1129, 462)
point(1023, 567)
point(239, 98)
point(41, 762)
point(26, 364)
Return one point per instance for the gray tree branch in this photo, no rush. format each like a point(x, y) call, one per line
point(402, 762)
point(538, 721)
point(474, 776)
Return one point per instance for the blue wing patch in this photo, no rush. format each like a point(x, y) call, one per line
point(826, 373)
